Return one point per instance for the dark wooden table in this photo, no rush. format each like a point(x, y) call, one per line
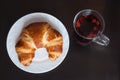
point(92, 62)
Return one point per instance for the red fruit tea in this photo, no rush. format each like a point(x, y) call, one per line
point(88, 26)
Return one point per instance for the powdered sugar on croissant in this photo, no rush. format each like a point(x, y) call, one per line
point(38, 35)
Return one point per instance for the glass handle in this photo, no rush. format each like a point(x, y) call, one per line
point(102, 40)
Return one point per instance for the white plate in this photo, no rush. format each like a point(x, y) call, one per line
point(15, 31)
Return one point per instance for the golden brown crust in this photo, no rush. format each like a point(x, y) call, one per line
point(26, 58)
point(38, 35)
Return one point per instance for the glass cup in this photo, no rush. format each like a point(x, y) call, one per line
point(89, 26)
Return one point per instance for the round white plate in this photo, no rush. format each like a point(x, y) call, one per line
point(15, 31)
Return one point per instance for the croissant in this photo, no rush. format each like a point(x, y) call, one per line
point(38, 35)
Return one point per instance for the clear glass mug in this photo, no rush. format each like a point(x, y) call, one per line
point(89, 26)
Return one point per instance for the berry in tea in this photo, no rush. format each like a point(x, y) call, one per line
point(88, 25)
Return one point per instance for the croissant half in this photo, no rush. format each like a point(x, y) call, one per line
point(35, 36)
